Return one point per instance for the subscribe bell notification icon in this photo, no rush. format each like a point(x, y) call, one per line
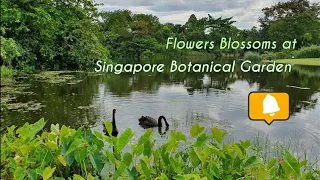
point(268, 106)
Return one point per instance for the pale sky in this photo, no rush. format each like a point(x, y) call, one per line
point(245, 12)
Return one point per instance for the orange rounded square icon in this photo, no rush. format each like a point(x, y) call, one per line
point(268, 106)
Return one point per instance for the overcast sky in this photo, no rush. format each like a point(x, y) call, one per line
point(245, 12)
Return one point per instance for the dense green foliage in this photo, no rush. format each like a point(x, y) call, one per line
point(7, 72)
point(29, 153)
point(133, 35)
point(305, 52)
point(252, 56)
point(308, 52)
point(295, 19)
point(53, 34)
point(50, 34)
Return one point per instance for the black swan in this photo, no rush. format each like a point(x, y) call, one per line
point(115, 131)
point(147, 122)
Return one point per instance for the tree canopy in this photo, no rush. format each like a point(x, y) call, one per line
point(51, 34)
point(72, 34)
point(293, 19)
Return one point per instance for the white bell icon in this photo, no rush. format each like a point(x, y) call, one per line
point(270, 105)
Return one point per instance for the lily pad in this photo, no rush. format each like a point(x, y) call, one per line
point(85, 107)
point(7, 99)
point(35, 107)
point(28, 106)
point(15, 89)
point(57, 77)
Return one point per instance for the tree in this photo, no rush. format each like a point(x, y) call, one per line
point(145, 24)
point(296, 27)
point(130, 34)
point(192, 23)
point(283, 10)
point(53, 33)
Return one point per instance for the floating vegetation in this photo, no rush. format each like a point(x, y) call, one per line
point(16, 106)
point(85, 107)
point(8, 90)
point(7, 99)
point(22, 85)
point(35, 107)
point(28, 106)
point(21, 77)
point(74, 82)
point(11, 90)
point(9, 95)
point(7, 82)
point(95, 74)
point(57, 77)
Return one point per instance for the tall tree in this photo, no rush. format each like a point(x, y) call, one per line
point(288, 9)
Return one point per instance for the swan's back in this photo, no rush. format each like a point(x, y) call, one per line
point(148, 121)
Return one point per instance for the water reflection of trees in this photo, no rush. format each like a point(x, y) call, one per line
point(71, 104)
point(123, 84)
point(67, 104)
point(299, 98)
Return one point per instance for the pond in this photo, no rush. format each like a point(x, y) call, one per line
point(216, 99)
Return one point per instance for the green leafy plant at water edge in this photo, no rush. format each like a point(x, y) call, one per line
point(7, 72)
point(312, 51)
point(308, 52)
point(252, 56)
point(64, 153)
point(284, 54)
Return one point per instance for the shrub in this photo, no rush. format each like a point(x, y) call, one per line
point(7, 72)
point(9, 50)
point(252, 56)
point(28, 153)
point(147, 54)
point(285, 54)
point(308, 52)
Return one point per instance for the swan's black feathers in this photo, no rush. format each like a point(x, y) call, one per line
point(147, 121)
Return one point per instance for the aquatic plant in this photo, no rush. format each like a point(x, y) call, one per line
point(29, 152)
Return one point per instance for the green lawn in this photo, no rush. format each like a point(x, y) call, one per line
point(305, 61)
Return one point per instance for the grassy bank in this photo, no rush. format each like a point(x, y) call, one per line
point(31, 153)
point(303, 61)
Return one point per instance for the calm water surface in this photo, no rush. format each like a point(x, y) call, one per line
point(217, 99)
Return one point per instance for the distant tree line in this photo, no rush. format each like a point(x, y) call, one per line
point(72, 34)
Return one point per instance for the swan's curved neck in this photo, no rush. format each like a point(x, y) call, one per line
point(159, 121)
point(114, 126)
